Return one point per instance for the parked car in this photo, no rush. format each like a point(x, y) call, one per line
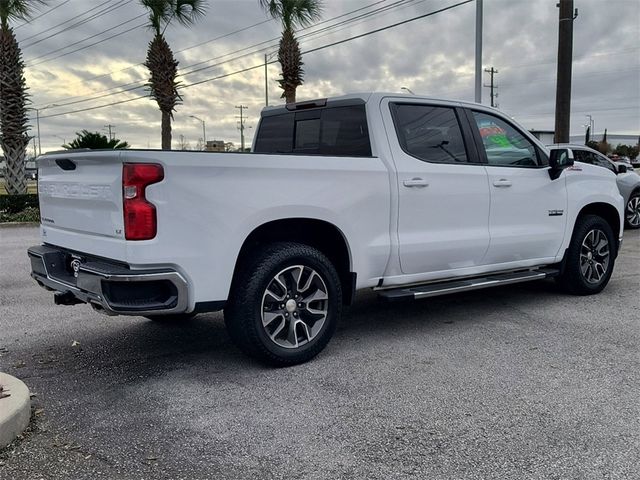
point(409, 196)
point(627, 179)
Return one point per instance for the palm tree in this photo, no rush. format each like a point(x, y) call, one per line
point(162, 65)
point(293, 14)
point(94, 141)
point(13, 94)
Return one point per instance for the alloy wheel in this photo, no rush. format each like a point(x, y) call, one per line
point(633, 211)
point(295, 306)
point(594, 256)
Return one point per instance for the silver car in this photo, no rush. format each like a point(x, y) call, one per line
point(628, 180)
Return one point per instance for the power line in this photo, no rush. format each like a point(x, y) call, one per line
point(97, 14)
point(33, 19)
point(84, 40)
point(61, 23)
point(261, 65)
point(400, 3)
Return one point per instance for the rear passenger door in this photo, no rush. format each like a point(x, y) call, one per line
point(527, 219)
point(442, 188)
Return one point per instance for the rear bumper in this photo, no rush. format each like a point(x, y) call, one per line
point(108, 286)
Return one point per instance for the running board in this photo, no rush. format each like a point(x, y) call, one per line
point(435, 289)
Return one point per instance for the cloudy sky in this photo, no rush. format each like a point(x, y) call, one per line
point(432, 56)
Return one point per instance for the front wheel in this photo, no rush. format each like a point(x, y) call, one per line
point(632, 211)
point(285, 303)
point(590, 257)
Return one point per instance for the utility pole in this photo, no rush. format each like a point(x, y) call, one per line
point(241, 127)
point(266, 82)
point(565, 60)
point(111, 134)
point(492, 71)
point(478, 51)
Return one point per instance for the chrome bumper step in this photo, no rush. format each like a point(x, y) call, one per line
point(415, 292)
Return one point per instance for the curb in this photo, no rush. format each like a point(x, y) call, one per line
point(18, 224)
point(15, 410)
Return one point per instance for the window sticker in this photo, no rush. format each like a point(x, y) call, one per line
point(492, 134)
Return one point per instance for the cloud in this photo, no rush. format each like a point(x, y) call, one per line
point(432, 56)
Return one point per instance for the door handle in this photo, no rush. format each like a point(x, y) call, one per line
point(503, 182)
point(416, 182)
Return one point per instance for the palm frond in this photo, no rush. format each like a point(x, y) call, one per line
point(293, 13)
point(188, 12)
point(17, 10)
point(159, 12)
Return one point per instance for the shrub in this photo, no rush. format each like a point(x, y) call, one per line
point(12, 204)
point(29, 214)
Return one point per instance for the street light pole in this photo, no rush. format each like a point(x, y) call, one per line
point(204, 131)
point(38, 127)
point(266, 82)
point(591, 124)
point(38, 123)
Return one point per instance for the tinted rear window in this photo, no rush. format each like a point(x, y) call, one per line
point(338, 131)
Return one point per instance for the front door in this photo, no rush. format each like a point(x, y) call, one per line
point(443, 191)
point(528, 209)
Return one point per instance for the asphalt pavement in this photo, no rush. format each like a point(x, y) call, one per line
point(518, 382)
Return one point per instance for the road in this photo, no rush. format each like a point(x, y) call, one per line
point(517, 382)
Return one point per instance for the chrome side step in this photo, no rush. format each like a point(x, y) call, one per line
point(454, 286)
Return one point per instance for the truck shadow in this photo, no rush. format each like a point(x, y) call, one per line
point(135, 347)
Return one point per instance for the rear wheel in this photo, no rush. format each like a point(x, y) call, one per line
point(285, 304)
point(632, 211)
point(590, 257)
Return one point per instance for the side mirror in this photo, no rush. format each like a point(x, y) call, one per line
point(622, 169)
point(559, 159)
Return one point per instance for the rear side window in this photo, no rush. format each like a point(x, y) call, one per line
point(429, 133)
point(275, 134)
point(338, 131)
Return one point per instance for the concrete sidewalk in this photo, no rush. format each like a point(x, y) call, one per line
point(15, 408)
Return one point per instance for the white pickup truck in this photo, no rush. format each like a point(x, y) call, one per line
point(413, 197)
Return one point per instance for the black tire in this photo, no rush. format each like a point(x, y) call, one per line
point(243, 313)
point(172, 319)
point(572, 279)
point(632, 211)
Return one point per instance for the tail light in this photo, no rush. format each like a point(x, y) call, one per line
point(140, 219)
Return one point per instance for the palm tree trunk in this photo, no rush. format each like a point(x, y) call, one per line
point(290, 58)
point(163, 69)
point(166, 131)
point(13, 111)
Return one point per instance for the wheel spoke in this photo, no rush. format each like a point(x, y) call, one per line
point(275, 296)
point(292, 336)
point(317, 295)
point(294, 322)
point(599, 271)
point(278, 329)
point(296, 274)
point(269, 317)
point(316, 311)
point(305, 330)
point(307, 284)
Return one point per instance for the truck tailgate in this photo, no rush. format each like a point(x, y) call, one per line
point(82, 193)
